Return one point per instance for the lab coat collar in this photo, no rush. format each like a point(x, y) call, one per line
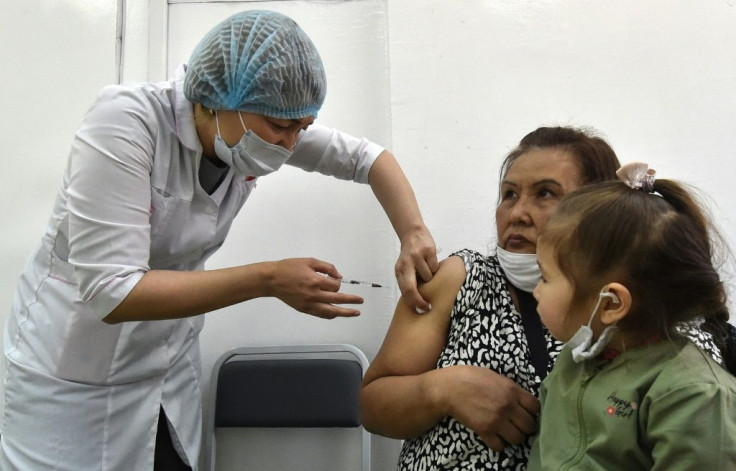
point(184, 111)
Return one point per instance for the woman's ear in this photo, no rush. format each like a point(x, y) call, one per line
point(616, 307)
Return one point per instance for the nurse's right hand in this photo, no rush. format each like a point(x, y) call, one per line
point(310, 286)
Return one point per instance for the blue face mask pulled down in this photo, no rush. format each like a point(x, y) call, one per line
point(251, 156)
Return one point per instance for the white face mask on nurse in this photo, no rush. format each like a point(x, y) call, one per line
point(262, 144)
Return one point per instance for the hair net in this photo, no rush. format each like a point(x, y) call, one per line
point(260, 62)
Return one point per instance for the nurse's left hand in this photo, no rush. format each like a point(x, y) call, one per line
point(418, 258)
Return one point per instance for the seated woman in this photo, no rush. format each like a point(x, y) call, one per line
point(459, 383)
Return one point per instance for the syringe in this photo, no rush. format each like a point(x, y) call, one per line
point(362, 283)
point(371, 284)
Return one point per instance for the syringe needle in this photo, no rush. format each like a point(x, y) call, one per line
point(362, 283)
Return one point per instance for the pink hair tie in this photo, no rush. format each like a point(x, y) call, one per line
point(638, 176)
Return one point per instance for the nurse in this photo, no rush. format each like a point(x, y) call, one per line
point(101, 348)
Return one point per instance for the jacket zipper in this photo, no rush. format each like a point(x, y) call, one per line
point(583, 437)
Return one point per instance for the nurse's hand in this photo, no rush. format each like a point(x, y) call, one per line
point(418, 258)
point(311, 286)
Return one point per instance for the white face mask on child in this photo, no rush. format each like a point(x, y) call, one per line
point(580, 343)
point(521, 269)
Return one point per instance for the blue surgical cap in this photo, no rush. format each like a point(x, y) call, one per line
point(260, 62)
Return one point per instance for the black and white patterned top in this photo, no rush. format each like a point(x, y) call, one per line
point(486, 330)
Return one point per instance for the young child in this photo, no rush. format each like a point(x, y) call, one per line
point(622, 263)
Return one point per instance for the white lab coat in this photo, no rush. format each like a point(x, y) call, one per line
point(81, 394)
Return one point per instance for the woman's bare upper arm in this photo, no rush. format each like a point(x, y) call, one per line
point(414, 342)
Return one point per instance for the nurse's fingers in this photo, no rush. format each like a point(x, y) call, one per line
point(415, 264)
point(329, 311)
point(326, 268)
point(410, 293)
point(302, 284)
point(325, 305)
point(426, 263)
point(329, 297)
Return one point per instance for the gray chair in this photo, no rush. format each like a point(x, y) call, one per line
point(301, 386)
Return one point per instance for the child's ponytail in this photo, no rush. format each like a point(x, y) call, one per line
point(715, 312)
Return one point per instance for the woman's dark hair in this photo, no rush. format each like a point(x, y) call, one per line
point(659, 245)
point(595, 158)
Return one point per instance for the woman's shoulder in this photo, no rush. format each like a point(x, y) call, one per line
point(484, 269)
point(474, 277)
point(140, 101)
point(135, 112)
point(448, 278)
point(472, 258)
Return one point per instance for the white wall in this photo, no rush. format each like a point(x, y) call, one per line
point(54, 58)
point(657, 78)
point(451, 87)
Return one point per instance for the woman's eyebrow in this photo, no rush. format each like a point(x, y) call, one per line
point(547, 181)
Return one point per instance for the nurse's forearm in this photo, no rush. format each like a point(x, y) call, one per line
point(395, 195)
point(306, 284)
point(418, 255)
point(163, 294)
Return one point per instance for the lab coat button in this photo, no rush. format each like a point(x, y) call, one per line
point(210, 210)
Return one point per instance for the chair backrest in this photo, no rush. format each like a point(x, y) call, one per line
point(286, 386)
